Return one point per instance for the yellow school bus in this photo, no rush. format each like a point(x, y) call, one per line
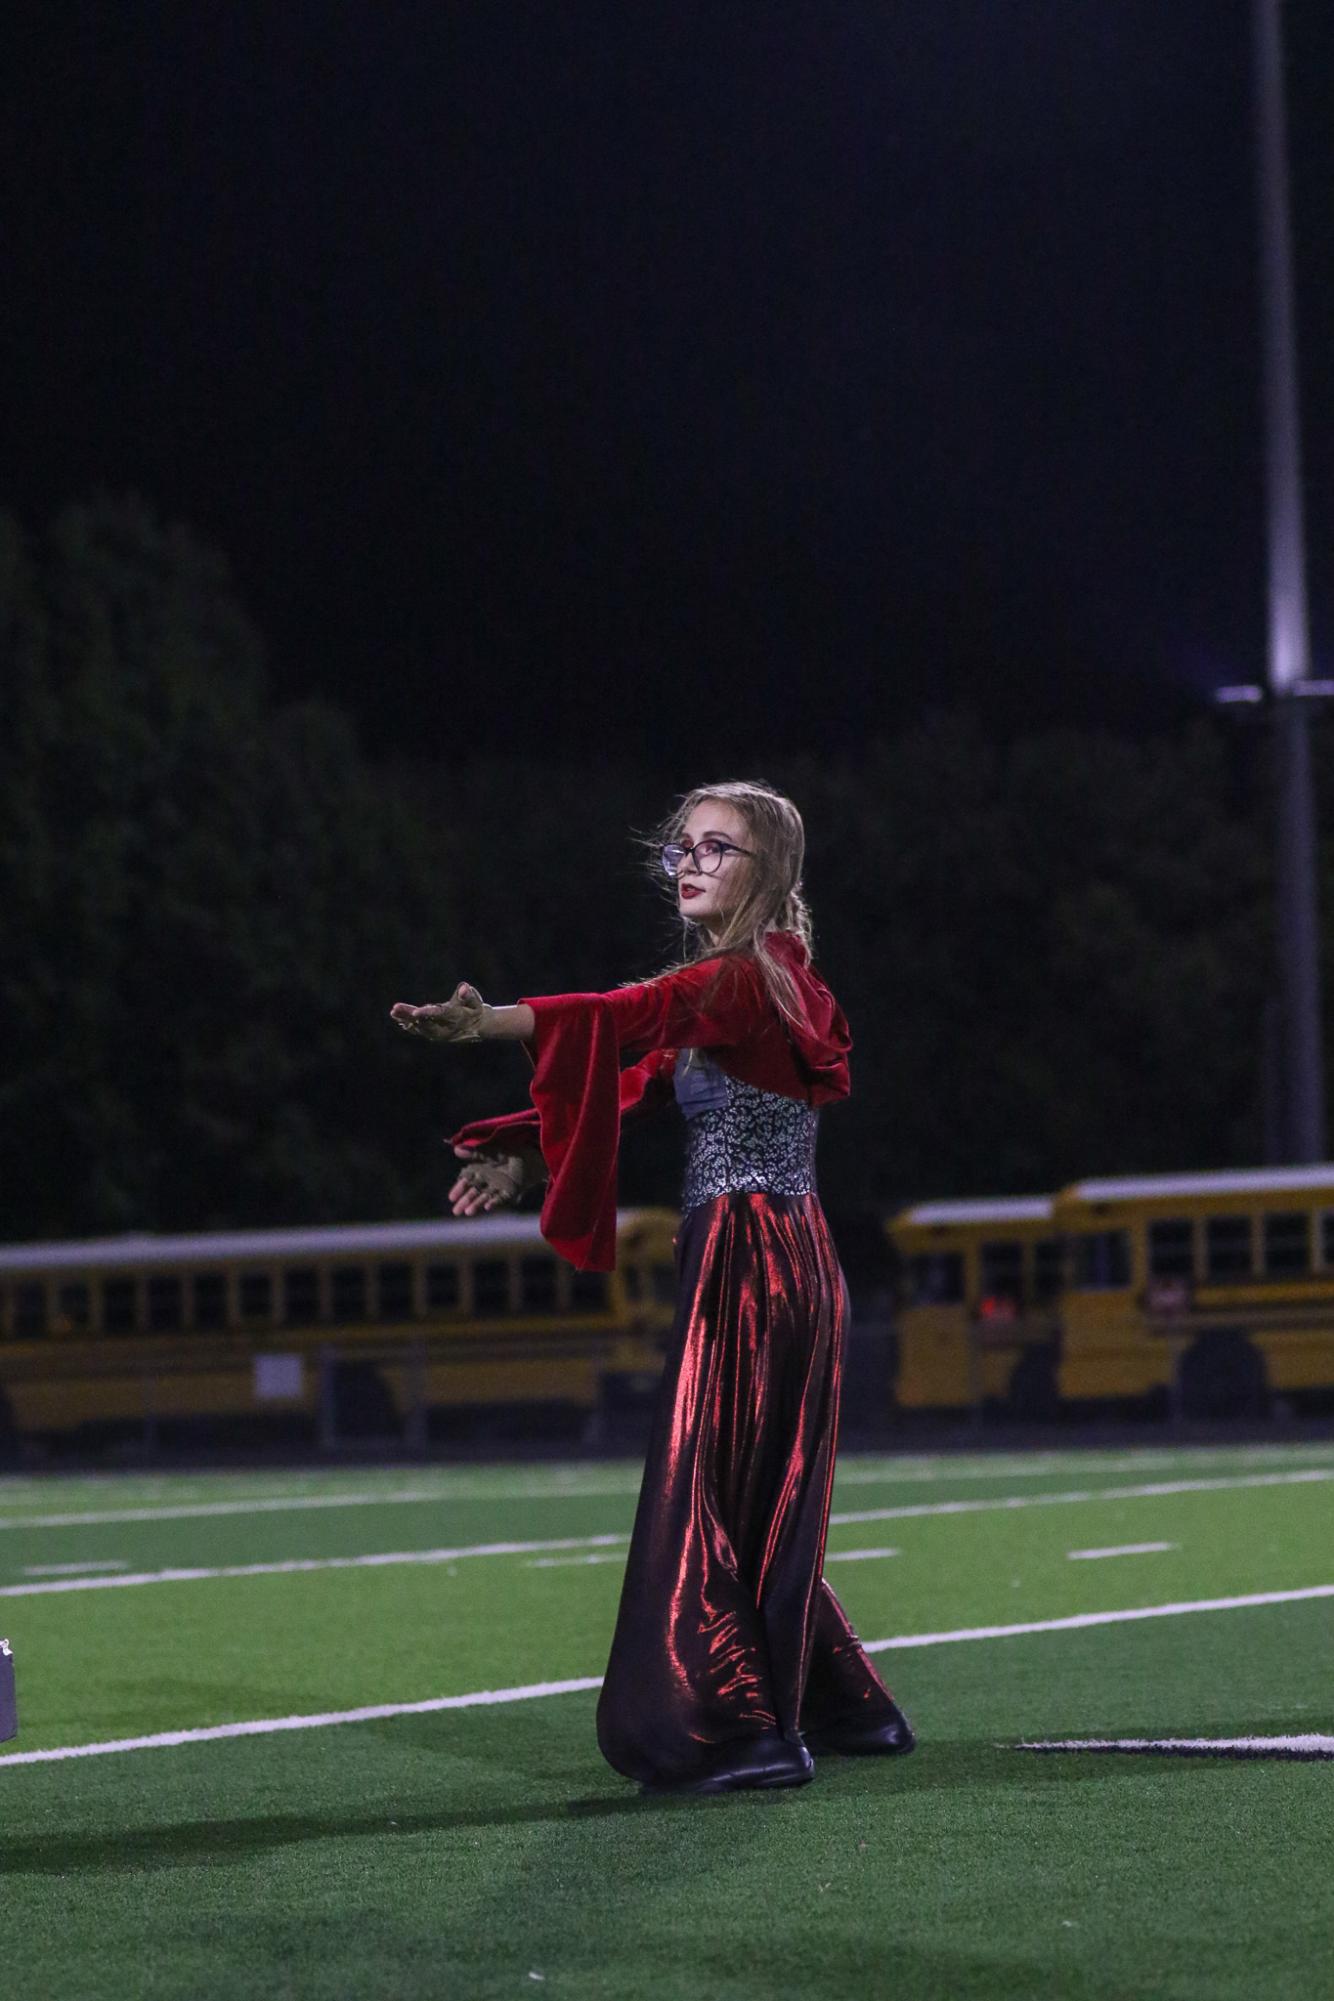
point(1209, 1292)
point(358, 1328)
point(977, 1305)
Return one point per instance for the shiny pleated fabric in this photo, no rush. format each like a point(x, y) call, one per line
point(726, 1628)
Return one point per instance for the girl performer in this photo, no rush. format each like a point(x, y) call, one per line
point(731, 1653)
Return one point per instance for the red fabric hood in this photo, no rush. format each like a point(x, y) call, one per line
point(820, 1037)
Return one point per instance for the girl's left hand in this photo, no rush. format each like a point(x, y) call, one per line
point(459, 1019)
point(488, 1182)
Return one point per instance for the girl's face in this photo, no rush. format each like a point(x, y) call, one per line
point(708, 885)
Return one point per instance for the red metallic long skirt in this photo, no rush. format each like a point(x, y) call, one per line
point(726, 1627)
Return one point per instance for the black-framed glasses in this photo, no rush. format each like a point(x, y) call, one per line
point(707, 855)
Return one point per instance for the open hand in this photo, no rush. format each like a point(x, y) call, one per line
point(487, 1182)
point(459, 1019)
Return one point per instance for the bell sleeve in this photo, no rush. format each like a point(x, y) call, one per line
point(577, 1045)
point(644, 1087)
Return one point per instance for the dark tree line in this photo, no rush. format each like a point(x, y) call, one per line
point(1054, 952)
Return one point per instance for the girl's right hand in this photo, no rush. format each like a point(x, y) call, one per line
point(462, 1018)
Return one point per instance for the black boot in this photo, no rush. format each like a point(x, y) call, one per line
point(749, 1763)
point(853, 1737)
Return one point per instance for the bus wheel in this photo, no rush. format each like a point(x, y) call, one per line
point(363, 1402)
point(9, 1438)
point(1223, 1375)
point(1032, 1395)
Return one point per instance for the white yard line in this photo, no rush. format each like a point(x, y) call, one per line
point(1121, 1549)
point(530, 1691)
point(205, 1510)
point(485, 1698)
point(1146, 1491)
point(856, 1555)
point(1310, 1744)
point(293, 1566)
point(1042, 1465)
point(72, 1569)
point(991, 1504)
point(1079, 1620)
point(588, 1484)
point(564, 1562)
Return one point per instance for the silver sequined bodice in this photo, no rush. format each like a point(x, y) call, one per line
point(740, 1139)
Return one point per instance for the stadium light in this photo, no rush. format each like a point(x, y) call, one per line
point(1290, 693)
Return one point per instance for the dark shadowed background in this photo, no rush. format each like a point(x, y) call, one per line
point(437, 434)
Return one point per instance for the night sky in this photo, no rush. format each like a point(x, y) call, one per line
point(743, 374)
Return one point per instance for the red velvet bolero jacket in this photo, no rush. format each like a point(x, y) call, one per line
point(581, 1095)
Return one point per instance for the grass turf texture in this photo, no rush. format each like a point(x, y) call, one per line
point(464, 1853)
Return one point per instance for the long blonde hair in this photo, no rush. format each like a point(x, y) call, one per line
point(771, 898)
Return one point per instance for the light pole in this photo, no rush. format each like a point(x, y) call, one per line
point(1290, 693)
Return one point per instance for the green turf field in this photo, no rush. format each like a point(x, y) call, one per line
point(485, 1850)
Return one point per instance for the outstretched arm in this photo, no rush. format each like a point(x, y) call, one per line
point(703, 1005)
point(464, 1017)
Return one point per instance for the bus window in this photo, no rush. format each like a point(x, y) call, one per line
point(935, 1278)
point(1287, 1243)
point(210, 1291)
point(442, 1286)
point(664, 1284)
point(1172, 1247)
point(347, 1292)
point(165, 1304)
point(491, 1286)
point(118, 1305)
point(256, 1295)
point(76, 1308)
point(395, 1292)
point(1048, 1268)
point(29, 1310)
point(1102, 1260)
point(1003, 1273)
point(1228, 1246)
point(537, 1284)
point(301, 1296)
point(588, 1289)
